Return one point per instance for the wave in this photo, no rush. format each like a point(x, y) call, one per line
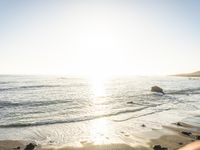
point(185, 91)
point(40, 86)
point(33, 103)
point(29, 87)
point(150, 113)
point(3, 82)
point(80, 119)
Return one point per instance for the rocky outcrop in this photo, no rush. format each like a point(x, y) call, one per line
point(157, 89)
point(30, 146)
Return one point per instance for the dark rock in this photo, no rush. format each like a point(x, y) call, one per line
point(158, 147)
point(83, 142)
point(130, 102)
point(30, 146)
point(143, 125)
point(179, 124)
point(157, 89)
point(51, 141)
point(180, 143)
point(198, 137)
point(186, 133)
point(17, 148)
point(127, 135)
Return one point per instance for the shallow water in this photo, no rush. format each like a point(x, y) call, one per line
point(55, 109)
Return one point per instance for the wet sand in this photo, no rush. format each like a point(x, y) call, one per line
point(182, 135)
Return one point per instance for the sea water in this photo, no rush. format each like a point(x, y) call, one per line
point(72, 110)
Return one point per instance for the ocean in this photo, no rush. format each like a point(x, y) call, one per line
point(62, 109)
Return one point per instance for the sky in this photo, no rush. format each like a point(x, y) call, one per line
point(99, 37)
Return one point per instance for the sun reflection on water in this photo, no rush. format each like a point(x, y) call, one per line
point(98, 86)
point(99, 128)
point(99, 131)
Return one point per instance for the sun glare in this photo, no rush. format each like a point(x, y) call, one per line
point(97, 85)
point(99, 131)
point(99, 127)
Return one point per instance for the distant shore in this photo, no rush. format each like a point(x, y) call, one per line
point(193, 74)
point(182, 135)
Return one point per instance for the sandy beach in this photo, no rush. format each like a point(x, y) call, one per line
point(99, 74)
point(180, 135)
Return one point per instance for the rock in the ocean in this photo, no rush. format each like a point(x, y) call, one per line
point(158, 147)
point(143, 125)
point(130, 102)
point(198, 137)
point(179, 124)
point(30, 146)
point(180, 143)
point(17, 148)
point(157, 89)
point(186, 133)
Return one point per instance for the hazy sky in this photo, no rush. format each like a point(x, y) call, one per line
point(99, 37)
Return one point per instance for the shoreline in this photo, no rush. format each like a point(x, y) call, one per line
point(170, 137)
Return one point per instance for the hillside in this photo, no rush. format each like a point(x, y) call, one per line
point(193, 74)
